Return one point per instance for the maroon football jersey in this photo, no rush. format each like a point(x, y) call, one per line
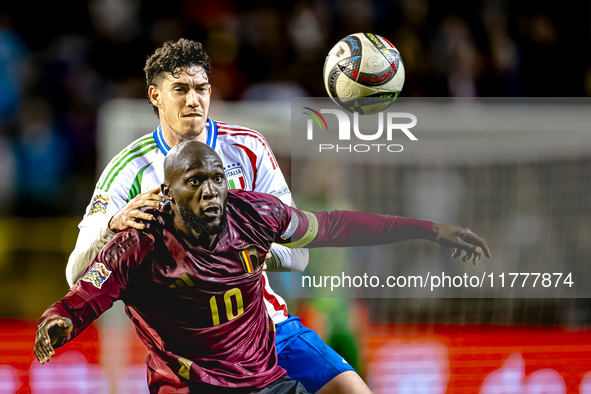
point(200, 312)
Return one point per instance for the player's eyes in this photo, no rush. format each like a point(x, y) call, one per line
point(193, 182)
point(218, 178)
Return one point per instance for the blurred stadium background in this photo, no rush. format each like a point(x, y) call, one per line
point(72, 94)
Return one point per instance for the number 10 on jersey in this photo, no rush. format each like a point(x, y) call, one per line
point(237, 294)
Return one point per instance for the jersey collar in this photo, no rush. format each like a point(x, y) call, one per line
point(212, 136)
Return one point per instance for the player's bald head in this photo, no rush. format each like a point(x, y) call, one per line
point(187, 155)
point(195, 185)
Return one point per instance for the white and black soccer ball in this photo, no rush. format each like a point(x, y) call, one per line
point(363, 73)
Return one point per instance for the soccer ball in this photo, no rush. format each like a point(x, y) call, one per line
point(363, 73)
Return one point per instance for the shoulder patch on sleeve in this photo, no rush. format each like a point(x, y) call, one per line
point(295, 220)
point(311, 232)
point(97, 275)
point(280, 192)
point(99, 204)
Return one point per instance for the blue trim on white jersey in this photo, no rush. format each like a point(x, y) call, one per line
point(212, 136)
point(159, 138)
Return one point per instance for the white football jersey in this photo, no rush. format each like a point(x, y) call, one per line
point(248, 162)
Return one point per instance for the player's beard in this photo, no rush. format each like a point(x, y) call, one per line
point(201, 225)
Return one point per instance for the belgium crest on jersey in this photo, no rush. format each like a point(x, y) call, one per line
point(250, 259)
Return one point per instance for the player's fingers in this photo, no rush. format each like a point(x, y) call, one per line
point(151, 200)
point(477, 240)
point(141, 215)
point(156, 190)
point(64, 327)
point(140, 196)
point(130, 223)
point(153, 194)
point(152, 204)
point(37, 354)
point(154, 197)
point(466, 257)
point(463, 245)
point(38, 350)
point(457, 253)
point(44, 349)
point(143, 203)
point(40, 353)
point(486, 249)
point(477, 254)
point(43, 333)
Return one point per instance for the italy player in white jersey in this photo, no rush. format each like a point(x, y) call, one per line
point(178, 87)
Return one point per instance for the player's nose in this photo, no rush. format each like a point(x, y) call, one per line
point(209, 189)
point(192, 99)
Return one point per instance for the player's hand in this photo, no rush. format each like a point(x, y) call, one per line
point(129, 215)
point(462, 239)
point(48, 333)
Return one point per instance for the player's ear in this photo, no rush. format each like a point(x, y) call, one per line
point(166, 192)
point(154, 94)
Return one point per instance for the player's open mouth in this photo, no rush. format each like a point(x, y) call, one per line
point(211, 211)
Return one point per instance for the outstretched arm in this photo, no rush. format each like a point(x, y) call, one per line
point(350, 228)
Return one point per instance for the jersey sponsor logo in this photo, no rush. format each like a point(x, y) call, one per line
point(280, 192)
point(99, 204)
point(97, 275)
point(235, 177)
point(295, 220)
point(250, 259)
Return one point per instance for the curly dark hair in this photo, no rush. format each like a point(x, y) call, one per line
point(174, 58)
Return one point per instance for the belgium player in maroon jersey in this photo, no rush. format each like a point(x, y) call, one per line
point(191, 282)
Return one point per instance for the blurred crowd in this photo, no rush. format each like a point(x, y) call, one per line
point(58, 65)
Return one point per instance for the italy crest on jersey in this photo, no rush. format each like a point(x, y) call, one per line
point(235, 177)
point(250, 259)
point(97, 275)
